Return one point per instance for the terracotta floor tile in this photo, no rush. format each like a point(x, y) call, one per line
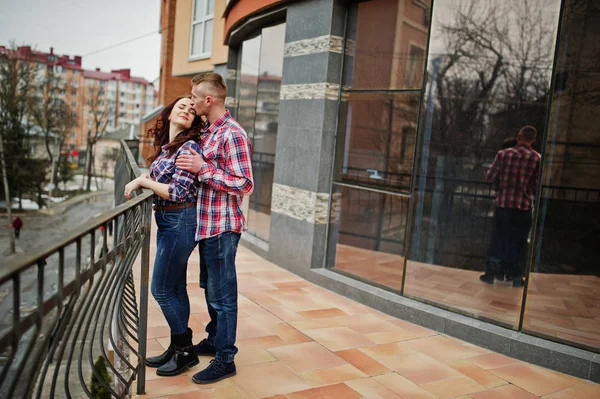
point(586, 390)
point(478, 374)
point(492, 361)
point(363, 362)
point(152, 345)
point(332, 375)
point(253, 356)
point(314, 324)
point(367, 323)
point(337, 391)
point(262, 316)
point(419, 368)
point(289, 334)
point(293, 284)
point(268, 379)
point(533, 379)
point(504, 392)
point(403, 387)
point(386, 350)
point(443, 349)
point(262, 299)
point(228, 392)
point(284, 313)
point(322, 313)
point(250, 328)
point(371, 389)
point(260, 342)
point(306, 357)
point(339, 338)
point(452, 387)
point(159, 332)
point(277, 397)
point(166, 386)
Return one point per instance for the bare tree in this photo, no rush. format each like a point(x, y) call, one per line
point(101, 110)
point(15, 89)
point(53, 116)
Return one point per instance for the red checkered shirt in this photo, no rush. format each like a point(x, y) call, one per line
point(226, 178)
point(517, 170)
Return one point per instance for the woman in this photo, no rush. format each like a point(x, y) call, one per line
point(176, 132)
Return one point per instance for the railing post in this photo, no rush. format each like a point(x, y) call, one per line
point(144, 277)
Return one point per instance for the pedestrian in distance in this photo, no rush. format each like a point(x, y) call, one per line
point(223, 167)
point(175, 190)
point(17, 224)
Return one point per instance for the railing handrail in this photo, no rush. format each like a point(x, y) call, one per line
point(18, 265)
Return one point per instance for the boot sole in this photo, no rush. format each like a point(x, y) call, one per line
point(215, 380)
point(183, 369)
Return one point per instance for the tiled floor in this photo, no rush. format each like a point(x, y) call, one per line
point(299, 341)
point(562, 306)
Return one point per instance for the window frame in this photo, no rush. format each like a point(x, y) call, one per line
point(200, 24)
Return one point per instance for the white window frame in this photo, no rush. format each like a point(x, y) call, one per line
point(200, 23)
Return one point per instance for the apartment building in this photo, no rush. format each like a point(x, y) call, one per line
point(192, 42)
point(120, 98)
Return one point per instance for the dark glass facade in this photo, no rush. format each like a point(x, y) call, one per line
point(431, 90)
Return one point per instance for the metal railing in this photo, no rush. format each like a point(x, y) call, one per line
point(459, 218)
point(71, 323)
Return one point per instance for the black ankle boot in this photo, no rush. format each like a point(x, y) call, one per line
point(157, 361)
point(184, 356)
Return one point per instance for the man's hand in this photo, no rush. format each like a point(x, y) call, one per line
point(192, 163)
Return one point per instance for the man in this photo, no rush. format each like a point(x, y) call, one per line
point(224, 169)
point(516, 169)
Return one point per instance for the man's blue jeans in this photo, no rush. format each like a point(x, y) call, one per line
point(218, 278)
point(175, 241)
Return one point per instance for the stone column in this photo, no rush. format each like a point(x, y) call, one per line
point(308, 115)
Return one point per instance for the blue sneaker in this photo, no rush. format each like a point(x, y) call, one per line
point(216, 371)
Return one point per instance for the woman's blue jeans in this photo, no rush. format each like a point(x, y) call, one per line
point(175, 241)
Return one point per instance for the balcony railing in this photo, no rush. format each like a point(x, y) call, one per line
point(71, 324)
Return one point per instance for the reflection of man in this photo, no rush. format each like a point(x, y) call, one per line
point(224, 169)
point(516, 170)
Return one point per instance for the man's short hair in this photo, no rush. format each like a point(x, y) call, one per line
point(214, 81)
point(528, 133)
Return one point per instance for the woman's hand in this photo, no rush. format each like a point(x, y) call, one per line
point(131, 187)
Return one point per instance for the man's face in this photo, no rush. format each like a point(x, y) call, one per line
point(199, 101)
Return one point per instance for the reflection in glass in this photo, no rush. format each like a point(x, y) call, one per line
point(367, 234)
point(489, 74)
point(260, 83)
point(563, 298)
point(376, 139)
point(388, 40)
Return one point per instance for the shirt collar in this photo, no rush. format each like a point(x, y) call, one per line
point(218, 123)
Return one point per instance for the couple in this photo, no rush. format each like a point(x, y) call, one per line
point(199, 174)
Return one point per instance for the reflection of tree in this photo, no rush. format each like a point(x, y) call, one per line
point(497, 60)
point(492, 78)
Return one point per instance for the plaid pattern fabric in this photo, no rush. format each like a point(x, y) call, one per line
point(517, 171)
point(226, 178)
point(183, 185)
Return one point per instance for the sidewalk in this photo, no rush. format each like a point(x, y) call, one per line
point(297, 340)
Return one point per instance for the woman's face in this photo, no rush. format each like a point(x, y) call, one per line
point(182, 114)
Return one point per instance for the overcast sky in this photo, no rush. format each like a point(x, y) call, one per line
point(81, 27)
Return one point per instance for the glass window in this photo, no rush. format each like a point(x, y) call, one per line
point(261, 66)
point(489, 70)
point(383, 76)
point(390, 58)
point(202, 27)
point(564, 289)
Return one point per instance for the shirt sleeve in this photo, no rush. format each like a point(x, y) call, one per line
point(492, 173)
point(237, 177)
point(183, 182)
point(535, 175)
